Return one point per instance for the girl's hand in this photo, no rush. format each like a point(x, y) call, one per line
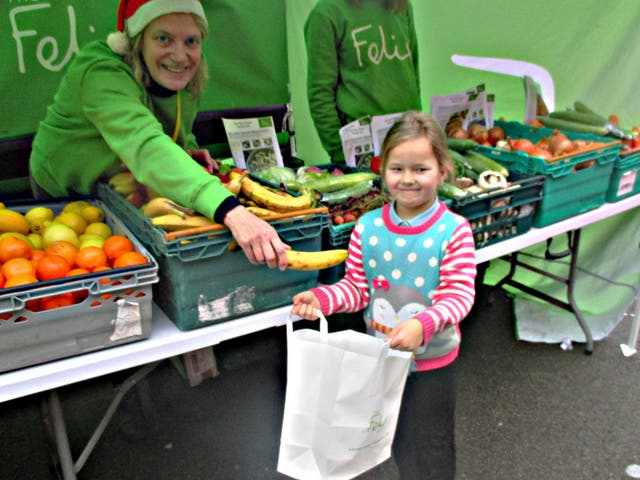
point(305, 305)
point(204, 158)
point(407, 335)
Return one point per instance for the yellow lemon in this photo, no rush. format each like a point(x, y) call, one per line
point(36, 240)
point(92, 214)
point(76, 206)
point(99, 228)
point(72, 219)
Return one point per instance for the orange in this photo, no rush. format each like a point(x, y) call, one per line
point(77, 271)
point(102, 281)
point(17, 266)
point(36, 255)
point(52, 266)
point(116, 245)
point(91, 257)
point(57, 301)
point(1, 280)
point(66, 250)
point(129, 259)
point(13, 247)
point(20, 279)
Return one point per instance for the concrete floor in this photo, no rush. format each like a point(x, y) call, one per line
point(525, 411)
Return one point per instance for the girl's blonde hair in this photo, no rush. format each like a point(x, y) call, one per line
point(414, 124)
point(393, 5)
point(133, 57)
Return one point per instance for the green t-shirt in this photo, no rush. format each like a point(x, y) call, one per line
point(362, 60)
point(102, 118)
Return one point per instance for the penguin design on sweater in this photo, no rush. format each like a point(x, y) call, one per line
point(394, 304)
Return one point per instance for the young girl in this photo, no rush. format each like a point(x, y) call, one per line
point(411, 267)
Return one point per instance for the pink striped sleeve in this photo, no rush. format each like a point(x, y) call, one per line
point(455, 294)
point(351, 293)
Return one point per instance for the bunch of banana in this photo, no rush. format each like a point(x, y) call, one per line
point(273, 199)
point(298, 260)
point(171, 217)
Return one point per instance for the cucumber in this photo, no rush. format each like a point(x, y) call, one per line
point(450, 191)
point(562, 124)
point(461, 144)
point(481, 163)
point(583, 108)
point(579, 117)
point(331, 183)
point(462, 167)
point(341, 196)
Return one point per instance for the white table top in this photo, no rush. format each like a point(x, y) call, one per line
point(167, 340)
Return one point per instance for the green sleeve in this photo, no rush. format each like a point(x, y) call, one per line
point(115, 104)
point(413, 45)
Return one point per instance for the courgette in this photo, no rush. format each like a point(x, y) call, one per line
point(450, 191)
point(461, 144)
point(462, 167)
point(562, 124)
point(583, 108)
point(579, 117)
point(340, 196)
point(331, 183)
point(481, 163)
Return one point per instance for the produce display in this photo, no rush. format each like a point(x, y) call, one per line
point(42, 245)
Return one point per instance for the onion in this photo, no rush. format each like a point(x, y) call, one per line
point(560, 143)
point(522, 145)
point(495, 134)
point(458, 132)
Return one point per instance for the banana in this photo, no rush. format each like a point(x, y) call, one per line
point(172, 222)
point(159, 206)
point(235, 184)
point(298, 260)
point(280, 202)
point(261, 212)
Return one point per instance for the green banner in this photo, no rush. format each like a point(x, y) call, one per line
point(246, 51)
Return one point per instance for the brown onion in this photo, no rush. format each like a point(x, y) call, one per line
point(560, 143)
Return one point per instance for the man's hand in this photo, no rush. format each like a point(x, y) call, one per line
point(204, 158)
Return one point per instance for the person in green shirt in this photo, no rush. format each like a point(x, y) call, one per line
point(131, 102)
point(362, 59)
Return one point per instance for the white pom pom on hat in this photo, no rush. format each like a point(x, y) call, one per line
point(135, 15)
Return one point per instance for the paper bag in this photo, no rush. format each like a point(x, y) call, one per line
point(342, 402)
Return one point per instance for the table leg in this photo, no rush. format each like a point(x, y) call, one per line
point(53, 418)
point(629, 348)
point(569, 281)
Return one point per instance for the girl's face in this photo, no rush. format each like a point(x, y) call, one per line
point(172, 49)
point(412, 176)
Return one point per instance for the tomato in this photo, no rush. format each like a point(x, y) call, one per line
point(375, 165)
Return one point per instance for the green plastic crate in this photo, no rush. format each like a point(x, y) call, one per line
point(566, 192)
point(625, 178)
point(205, 280)
point(496, 215)
point(117, 309)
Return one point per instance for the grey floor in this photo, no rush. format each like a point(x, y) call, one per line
point(525, 411)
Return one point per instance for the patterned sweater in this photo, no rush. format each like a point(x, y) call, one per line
point(396, 273)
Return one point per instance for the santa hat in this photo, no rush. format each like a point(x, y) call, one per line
point(135, 15)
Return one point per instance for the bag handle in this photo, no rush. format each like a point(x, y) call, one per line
point(324, 325)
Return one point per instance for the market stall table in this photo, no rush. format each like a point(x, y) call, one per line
point(167, 341)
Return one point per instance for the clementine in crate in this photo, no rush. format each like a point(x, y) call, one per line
point(57, 301)
point(66, 250)
point(13, 247)
point(116, 245)
point(51, 267)
point(129, 259)
point(102, 281)
point(36, 255)
point(17, 266)
point(91, 257)
point(1, 280)
point(20, 279)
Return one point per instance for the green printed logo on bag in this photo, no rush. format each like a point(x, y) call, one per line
point(377, 422)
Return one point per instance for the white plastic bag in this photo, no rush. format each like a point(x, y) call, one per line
point(342, 402)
